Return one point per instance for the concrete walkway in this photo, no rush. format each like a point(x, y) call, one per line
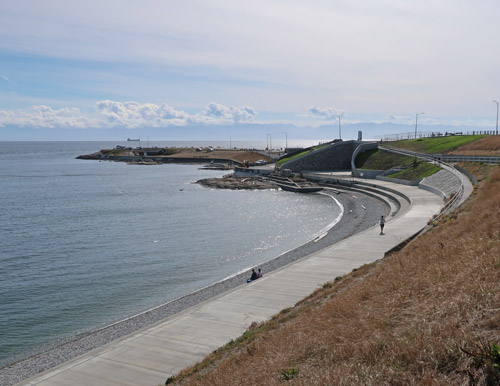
point(150, 356)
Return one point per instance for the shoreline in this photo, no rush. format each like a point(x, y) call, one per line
point(355, 219)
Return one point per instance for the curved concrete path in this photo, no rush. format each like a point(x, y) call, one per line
point(148, 357)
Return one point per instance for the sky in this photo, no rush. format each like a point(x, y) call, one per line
point(193, 69)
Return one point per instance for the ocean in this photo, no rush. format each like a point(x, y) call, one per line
point(84, 244)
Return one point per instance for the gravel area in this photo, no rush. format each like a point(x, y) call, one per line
point(361, 212)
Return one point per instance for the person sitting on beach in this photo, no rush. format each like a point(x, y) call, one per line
point(254, 275)
point(259, 274)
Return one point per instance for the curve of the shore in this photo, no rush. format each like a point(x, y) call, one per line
point(355, 218)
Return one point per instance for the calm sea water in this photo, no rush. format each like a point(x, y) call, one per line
point(87, 243)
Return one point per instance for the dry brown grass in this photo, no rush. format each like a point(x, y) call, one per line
point(401, 321)
point(489, 145)
point(237, 155)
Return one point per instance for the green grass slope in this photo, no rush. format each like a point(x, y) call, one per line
point(380, 160)
point(417, 171)
point(437, 145)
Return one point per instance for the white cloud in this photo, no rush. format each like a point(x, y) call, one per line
point(5, 78)
point(134, 114)
point(328, 113)
point(130, 115)
point(45, 116)
point(395, 118)
point(223, 114)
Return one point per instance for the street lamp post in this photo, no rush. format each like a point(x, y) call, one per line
point(340, 129)
point(286, 140)
point(496, 130)
point(416, 123)
point(340, 126)
point(269, 144)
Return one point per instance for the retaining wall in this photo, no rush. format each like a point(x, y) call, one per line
point(366, 173)
point(399, 181)
point(467, 173)
point(336, 156)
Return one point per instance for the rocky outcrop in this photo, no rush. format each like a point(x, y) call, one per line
point(96, 155)
point(238, 183)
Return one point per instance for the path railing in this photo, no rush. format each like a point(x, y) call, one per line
point(432, 134)
point(443, 157)
point(456, 196)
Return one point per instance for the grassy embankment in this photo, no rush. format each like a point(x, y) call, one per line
point(381, 160)
point(426, 315)
point(437, 145)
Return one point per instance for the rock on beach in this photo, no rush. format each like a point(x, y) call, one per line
point(238, 183)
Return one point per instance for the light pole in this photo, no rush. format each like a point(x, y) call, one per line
point(269, 144)
point(286, 140)
point(416, 123)
point(496, 130)
point(340, 126)
point(340, 129)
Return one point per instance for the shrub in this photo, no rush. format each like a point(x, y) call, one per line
point(289, 374)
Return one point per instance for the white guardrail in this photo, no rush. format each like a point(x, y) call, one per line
point(456, 196)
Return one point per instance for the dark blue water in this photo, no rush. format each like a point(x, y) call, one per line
point(87, 243)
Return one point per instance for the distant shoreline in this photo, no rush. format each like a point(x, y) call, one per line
point(355, 220)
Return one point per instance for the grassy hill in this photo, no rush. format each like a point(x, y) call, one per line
point(436, 145)
point(380, 160)
point(426, 315)
point(416, 171)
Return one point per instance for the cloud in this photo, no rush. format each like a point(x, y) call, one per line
point(326, 113)
point(229, 114)
point(5, 78)
point(45, 116)
point(130, 115)
point(394, 118)
point(134, 114)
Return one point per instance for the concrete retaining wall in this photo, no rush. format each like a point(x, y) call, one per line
point(247, 172)
point(399, 181)
point(336, 156)
point(365, 173)
point(466, 172)
point(432, 190)
point(360, 149)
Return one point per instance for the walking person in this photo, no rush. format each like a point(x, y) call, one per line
point(382, 223)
